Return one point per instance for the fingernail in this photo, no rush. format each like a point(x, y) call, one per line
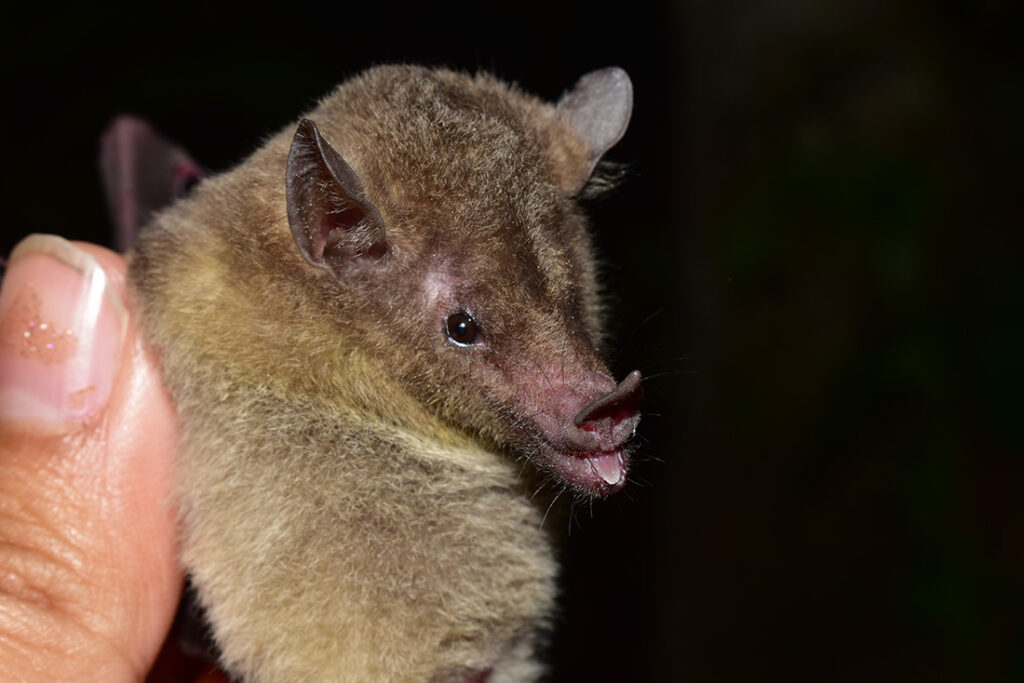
point(61, 330)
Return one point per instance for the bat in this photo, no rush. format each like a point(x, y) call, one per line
point(142, 172)
point(383, 334)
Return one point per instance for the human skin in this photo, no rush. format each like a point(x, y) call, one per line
point(89, 580)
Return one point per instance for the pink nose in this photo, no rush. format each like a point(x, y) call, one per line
point(615, 414)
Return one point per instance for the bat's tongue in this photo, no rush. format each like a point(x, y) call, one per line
point(608, 466)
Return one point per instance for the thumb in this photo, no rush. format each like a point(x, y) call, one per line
point(88, 577)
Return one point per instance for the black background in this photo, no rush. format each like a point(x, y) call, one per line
point(816, 263)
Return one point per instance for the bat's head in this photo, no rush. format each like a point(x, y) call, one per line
point(440, 211)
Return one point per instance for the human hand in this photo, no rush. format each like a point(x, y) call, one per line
point(89, 580)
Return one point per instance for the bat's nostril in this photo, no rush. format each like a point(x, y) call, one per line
point(618, 404)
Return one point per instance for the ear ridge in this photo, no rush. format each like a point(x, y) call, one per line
point(333, 224)
point(598, 109)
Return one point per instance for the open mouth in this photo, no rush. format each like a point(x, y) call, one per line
point(595, 474)
point(585, 441)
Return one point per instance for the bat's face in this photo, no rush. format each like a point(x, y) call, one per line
point(508, 351)
point(468, 271)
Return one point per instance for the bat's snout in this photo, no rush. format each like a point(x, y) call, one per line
point(615, 414)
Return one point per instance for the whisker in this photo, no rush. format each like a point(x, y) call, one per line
point(670, 373)
point(652, 316)
point(539, 489)
point(550, 505)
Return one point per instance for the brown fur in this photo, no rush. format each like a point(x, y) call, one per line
point(350, 483)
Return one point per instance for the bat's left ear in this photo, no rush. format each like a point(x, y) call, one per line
point(598, 108)
point(334, 226)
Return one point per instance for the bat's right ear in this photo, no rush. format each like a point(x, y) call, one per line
point(142, 172)
point(333, 224)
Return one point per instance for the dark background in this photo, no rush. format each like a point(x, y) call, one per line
point(816, 263)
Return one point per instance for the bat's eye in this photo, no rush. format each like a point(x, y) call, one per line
point(461, 328)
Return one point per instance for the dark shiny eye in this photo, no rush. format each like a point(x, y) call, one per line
point(461, 329)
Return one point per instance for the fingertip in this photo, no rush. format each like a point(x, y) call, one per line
point(62, 327)
point(107, 493)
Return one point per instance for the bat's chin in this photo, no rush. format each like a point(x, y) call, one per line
point(598, 474)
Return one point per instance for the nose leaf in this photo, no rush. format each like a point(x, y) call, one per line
point(619, 403)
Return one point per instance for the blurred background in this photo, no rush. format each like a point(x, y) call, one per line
point(815, 263)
